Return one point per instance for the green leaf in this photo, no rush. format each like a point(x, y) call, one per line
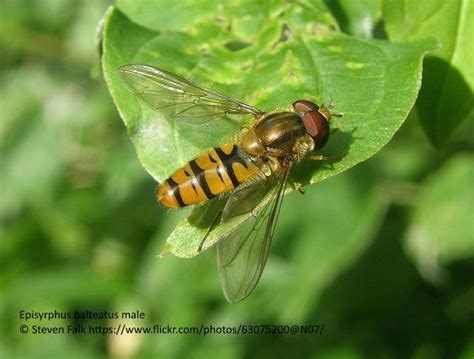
point(442, 230)
point(245, 17)
point(166, 15)
point(446, 97)
point(374, 83)
point(359, 18)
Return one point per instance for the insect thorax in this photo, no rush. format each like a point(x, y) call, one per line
point(280, 132)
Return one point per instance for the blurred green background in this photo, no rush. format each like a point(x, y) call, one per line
point(382, 255)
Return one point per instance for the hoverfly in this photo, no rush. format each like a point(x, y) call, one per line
point(255, 168)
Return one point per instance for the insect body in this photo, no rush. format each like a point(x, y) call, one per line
point(218, 171)
point(255, 170)
point(276, 137)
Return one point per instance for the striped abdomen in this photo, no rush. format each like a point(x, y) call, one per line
point(215, 172)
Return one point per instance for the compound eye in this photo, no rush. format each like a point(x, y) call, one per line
point(303, 106)
point(317, 127)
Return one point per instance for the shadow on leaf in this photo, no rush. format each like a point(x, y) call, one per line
point(444, 101)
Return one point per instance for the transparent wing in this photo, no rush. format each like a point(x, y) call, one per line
point(242, 254)
point(246, 198)
point(177, 97)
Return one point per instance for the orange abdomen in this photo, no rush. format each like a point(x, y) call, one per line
point(213, 173)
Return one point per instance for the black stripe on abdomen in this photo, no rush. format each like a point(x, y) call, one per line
point(217, 168)
point(199, 174)
point(175, 189)
point(227, 160)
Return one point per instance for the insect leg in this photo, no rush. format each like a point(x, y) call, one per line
point(214, 220)
point(298, 187)
point(325, 158)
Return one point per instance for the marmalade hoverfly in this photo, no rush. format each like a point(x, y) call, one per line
point(250, 169)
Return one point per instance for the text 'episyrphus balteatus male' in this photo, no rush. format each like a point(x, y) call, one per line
point(251, 169)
